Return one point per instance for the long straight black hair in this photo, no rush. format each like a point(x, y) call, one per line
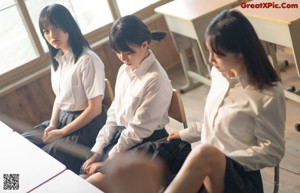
point(231, 31)
point(59, 16)
point(131, 30)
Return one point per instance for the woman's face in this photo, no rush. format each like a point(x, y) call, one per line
point(134, 59)
point(229, 62)
point(56, 37)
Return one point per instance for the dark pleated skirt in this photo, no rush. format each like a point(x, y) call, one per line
point(85, 136)
point(156, 135)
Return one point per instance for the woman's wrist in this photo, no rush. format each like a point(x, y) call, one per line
point(53, 124)
point(95, 156)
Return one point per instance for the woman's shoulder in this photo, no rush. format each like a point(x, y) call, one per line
point(269, 95)
point(275, 90)
point(88, 56)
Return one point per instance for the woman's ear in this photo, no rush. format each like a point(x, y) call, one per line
point(145, 44)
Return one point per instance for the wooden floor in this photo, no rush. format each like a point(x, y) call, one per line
point(194, 102)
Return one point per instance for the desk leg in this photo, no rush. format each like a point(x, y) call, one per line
point(271, 51)
point(185, 65)
point(295, 31)
point(199, 60)
point(182, 43)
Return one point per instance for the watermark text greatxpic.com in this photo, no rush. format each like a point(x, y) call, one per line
point(270, 5)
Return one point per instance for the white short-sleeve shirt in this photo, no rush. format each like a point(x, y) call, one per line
point(75, 83)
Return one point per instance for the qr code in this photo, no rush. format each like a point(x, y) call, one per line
point(11, 181)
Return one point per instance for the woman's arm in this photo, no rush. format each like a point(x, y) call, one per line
point(53, 121)
point(55, 115)
point(151, 114)
point(190, 134)
point(94, 108)
point(269, 131)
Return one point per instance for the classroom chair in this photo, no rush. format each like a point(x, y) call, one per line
point(176, 110)
point(109, 94)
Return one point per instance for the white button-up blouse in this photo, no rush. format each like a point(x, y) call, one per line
point(75, 83)
point(141, 103)
point(245, 124)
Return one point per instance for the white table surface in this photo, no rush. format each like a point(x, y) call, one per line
point(4, 129)
point(19, 156)
point(67, 182)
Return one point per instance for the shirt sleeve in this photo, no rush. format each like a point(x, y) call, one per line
point(191, 134)
point(153, 109)
point(93, 76)
point(269, 130)
point(107, 133)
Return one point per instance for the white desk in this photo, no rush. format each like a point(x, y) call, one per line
point(277, 26)
point(4, 129)
point(67, 182)
point(188, 20)
point(20, 156)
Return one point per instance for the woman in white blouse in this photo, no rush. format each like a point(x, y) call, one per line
point(78, 82)
point(244, 117)
point(143, 94)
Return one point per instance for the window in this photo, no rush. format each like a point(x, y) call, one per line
point(15, 46)
point(23, 50)
point(135, 5)
point(89, 14)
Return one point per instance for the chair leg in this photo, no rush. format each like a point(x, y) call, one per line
point(276, 179)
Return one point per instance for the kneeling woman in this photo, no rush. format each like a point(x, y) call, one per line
point(143, 95)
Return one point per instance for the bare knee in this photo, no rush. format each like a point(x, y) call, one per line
point(99, 180)
point(206, 157)
point(205, 152)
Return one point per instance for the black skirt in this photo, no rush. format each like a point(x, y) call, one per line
point(239, 180)
point(85, 136)
point(156, 135)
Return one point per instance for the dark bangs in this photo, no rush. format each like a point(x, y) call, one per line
point(120, 37)
point(45, 20)
point(51, 15)
point(118, 44)
point(128, 30)
point(224, 35)
point(222, 41)
point(214, 43)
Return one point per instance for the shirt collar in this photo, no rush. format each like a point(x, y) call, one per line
point(68, 56)
point(143, 67)
point(241, 79)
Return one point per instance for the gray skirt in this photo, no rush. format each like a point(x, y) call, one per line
point(85, 136)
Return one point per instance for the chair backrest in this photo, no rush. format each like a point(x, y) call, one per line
point(108, 95)
point(276, 179)
point(176, 110)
